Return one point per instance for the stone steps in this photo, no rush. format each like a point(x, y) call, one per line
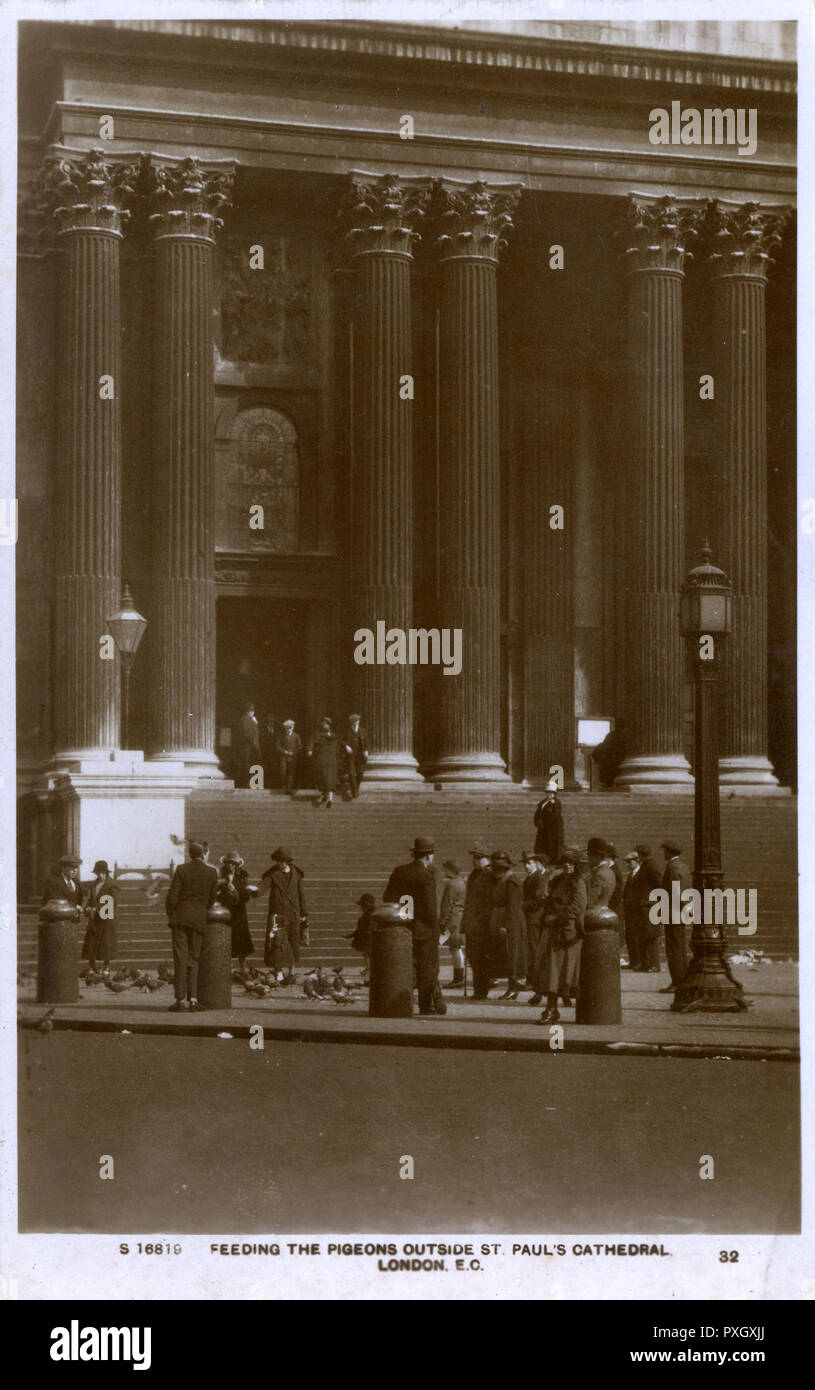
point(352, 848)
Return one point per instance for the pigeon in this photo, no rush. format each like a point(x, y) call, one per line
point(117, 986)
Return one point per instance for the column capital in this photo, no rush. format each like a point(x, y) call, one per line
point(87, 190)
point(659, 229)
point(186, 197)
point(381, 213)
point(745, 235)
point(475, 217)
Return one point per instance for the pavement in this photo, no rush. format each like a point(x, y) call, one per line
point(766, 1031)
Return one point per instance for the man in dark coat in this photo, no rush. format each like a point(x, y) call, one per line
point(675, 871)
point(416, 881)
point(63, 882)
point(601, 881)
point(192, 893)
point(534, 895)
point(649, 876)
point(548, 822)
point(355, 740)
point(287, 903)
point(288, 746)
point(475, 920)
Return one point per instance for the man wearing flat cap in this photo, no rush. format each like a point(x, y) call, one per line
point(475, 919)
point(675, 871)
point(287, 908)
point(63, 882)
point(416, 881)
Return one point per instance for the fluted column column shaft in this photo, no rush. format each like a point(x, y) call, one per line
point(86, 193)
point(89, 493)
point(183, 575)
point(469, 490)
point(380, 215)
point(654, 651)
point(548, 609)
point(743, 237)
point(740, 384)
point(183, 683)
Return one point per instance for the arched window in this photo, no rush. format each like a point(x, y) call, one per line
point(262, 471)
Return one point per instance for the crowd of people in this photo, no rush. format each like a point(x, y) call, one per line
point(519, 921)
point(331, 762)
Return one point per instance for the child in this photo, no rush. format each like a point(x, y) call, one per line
point(361, 938)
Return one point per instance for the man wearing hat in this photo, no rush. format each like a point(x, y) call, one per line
point(356, 744)
point(416, 881)
point(454, 889)
point(548, 820)
point(475, 919)
point(602, 883)
point(675, 871)
point(192, 893)
point(533, 892)
point(287, 906)
point(288, 747)
point(636, 905)
point(63, 882)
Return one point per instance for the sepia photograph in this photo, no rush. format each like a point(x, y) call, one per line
point(405, 543)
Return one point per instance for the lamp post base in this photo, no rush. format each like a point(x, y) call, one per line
point(708, 986)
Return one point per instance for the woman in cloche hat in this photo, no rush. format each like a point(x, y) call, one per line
point(233, 890)
point(100, 907)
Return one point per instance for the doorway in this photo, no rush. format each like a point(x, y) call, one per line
point(261, 655)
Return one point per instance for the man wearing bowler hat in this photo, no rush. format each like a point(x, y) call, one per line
point(415, 880)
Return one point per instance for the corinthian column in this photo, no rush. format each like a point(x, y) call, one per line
point(87, 193)
point(382, 214)
point(475, 218)
point(186, 201)
point(659, 232)
point(744, 237)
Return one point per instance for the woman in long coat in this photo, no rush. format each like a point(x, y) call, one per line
point(100, 906)
point(287, 918)
point(324, 753)
point(557, 967)
point(548, 821)
point(507, 922)
point(233, 891)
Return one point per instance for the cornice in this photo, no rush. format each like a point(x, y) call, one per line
point(418, 44)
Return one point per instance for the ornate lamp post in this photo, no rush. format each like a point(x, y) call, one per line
point(126, 627)
point(706, 621)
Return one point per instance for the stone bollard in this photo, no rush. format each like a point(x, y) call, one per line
point(390, 994)
point(598, 999)
point(215, 965)
point(58, 953)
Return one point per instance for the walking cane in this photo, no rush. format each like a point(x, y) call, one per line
point(464, 996)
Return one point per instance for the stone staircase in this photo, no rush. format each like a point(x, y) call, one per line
point(352, 848)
